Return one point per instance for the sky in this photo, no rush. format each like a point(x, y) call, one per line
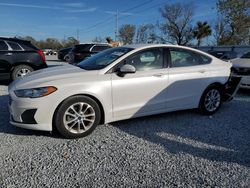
point(63, 18)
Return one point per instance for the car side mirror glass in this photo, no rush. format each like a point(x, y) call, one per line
point(127, 69)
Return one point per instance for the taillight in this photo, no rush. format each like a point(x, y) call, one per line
point(40, 52)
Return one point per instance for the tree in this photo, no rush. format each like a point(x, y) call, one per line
point(235, 16)
point(98, 40)
point(202, 30)
point(145, 34)
point(71, 41)
point(127, 33)
point(177, 27)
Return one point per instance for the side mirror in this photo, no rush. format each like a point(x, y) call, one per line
point(127, 69)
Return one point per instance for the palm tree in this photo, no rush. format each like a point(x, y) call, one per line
point(202, 30)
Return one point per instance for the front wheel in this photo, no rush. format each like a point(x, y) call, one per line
point(77, 117)
point(210, 101)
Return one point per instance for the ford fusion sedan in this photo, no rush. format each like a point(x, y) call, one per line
point(117, 84)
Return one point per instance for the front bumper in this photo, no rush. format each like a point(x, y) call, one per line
point(30, 114)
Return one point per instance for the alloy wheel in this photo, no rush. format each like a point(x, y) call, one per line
point(79, 118)
point(212, 100)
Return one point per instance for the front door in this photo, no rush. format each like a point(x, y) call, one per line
point(142, 92)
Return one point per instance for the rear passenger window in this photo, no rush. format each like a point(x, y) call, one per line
point(186, 58)
point(3, 46)
point(14, 46)
point(205, 59)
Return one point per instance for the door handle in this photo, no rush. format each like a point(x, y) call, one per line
point(202, 71)
point(158, 75)
point(8, 54)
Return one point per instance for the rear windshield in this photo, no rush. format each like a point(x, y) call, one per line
point(28, 46)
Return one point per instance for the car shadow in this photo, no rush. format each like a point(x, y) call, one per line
point(215, 138)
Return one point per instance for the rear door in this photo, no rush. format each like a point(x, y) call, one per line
point(6, 58)
point(188, 78)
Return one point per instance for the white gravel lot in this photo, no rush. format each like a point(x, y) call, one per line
point(180, 149)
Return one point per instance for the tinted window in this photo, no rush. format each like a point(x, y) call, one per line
point(99, 48)
point(205, 59)
point(147, 59)
point(3, 45)
point(247, 55)
point(27, 46)
point(185, 58)
point(82, 47)
point(14, 45)
point(103, 59)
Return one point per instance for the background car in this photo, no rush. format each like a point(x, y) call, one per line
point(120, 83)
point(63, 54)
point(243, 62)
point(81, 52)
point(18, 58)
point(224, 55)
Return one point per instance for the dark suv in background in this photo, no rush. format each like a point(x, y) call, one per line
point(82, 51)
point(63, 54)
point(18, 58)
point(224, 55)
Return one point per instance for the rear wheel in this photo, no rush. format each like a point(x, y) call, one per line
point(21, 71)
point(66, 58)
point(77, 117)
point(211, 100)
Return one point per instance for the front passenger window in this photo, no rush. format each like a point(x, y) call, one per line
point(147, 60)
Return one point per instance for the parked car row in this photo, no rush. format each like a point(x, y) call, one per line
point(49, 52)
point(18, 58)
point(121, 83)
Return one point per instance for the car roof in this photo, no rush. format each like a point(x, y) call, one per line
point(93, 43)
point(14, 39)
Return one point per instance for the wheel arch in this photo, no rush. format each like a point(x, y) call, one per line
point(21, 63)
point(214, 84)
point(86, 95)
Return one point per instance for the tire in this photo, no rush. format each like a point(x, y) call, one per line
point(66, 58)
point(77, 117)
point(211, 100)
point(21, 71)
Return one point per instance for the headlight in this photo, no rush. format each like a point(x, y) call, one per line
point(35, 92)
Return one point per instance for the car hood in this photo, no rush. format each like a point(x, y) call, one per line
point(49, 76)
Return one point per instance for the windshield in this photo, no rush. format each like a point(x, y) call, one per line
point(104, 58)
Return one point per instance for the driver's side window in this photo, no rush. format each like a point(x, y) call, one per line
point(147, 59)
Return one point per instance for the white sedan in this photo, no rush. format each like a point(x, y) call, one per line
point(117, 84)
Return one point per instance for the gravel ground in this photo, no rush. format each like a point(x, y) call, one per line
point(180, 149)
